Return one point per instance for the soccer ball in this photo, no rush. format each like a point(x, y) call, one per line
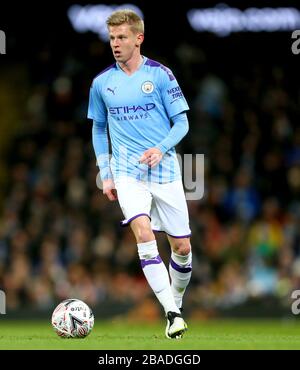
point(72, 318)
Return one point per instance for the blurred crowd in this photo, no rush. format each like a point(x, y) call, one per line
point(61, 238)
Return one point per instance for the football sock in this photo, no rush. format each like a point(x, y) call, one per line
point(180, 269)
point(157, 275)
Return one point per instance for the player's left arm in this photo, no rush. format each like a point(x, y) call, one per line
point(175, 105)
point(179, 129)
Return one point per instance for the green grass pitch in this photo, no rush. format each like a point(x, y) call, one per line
point(118, 335)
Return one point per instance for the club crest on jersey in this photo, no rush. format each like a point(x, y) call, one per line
point(147, 87)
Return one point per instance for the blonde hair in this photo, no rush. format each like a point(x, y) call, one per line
point(126, 16)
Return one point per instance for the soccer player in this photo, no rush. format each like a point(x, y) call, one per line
point(141, 103)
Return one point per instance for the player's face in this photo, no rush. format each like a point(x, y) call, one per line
point(124, 43)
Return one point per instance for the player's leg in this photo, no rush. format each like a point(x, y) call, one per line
point(180, 267)
point(169, 213)
point(135, 201)
point(153, 267)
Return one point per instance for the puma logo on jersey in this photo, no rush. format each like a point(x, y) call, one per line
point(111, 90)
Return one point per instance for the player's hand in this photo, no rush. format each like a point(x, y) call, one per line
point(151, 157)
point(109, 189)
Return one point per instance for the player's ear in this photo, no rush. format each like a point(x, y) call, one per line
point(139, 39)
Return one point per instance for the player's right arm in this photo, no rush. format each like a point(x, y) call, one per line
point(101, 149)
point(98, 113)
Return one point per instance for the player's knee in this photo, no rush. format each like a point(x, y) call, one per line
point(142, 230)
point(144, 234)
point(182, 247)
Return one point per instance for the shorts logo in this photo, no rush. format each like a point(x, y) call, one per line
point(147, 87)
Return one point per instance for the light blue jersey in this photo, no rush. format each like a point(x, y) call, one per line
point(138, 109)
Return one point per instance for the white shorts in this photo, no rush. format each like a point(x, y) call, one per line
point(164, 204)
